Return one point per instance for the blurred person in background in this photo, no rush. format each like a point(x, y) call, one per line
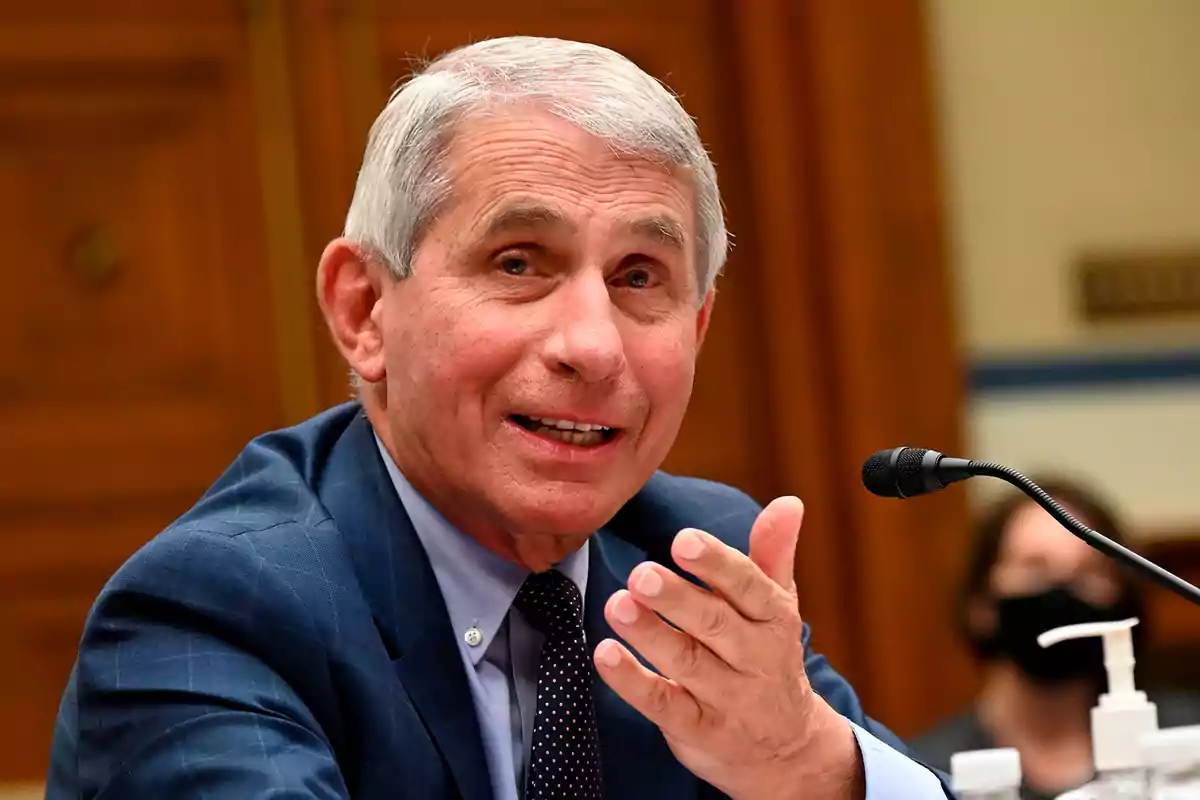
point(1026, 574)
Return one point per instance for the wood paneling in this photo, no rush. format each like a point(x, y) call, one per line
point(293, 306)
point(135, 354)
point(337, 91)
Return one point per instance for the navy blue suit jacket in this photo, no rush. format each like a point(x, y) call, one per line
point(286, 638)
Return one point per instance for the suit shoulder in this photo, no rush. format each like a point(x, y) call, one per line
point(271, 481)
point(258, 549)
point(263, 512)
point(238, 581)
point(225, 566)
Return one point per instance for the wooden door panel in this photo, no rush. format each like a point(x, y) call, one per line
point(136, 352)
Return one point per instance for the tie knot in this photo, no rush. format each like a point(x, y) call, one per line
point(551, 602)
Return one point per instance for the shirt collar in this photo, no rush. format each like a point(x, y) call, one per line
point(477, 585)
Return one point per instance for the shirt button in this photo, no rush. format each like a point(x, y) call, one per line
point(473, 637)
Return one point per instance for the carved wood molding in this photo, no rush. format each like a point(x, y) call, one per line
point(291, 271)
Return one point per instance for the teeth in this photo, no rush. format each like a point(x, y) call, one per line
point(582, 434)
point(579, 438)
point(568, 425)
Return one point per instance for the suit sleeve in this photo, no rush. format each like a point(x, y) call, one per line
point(890, 768)
point(177, 692)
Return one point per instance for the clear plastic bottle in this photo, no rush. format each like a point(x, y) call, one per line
point(1120, 718)
point(1172, 756)
point(986, 774)
point(1114, 785)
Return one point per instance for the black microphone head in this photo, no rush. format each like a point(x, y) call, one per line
point(896, 472)
point(910, 471)
point(877, 474)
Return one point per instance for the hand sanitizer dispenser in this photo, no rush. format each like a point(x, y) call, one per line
point(986, 774)
point(1172, 757)
point(1120, 717)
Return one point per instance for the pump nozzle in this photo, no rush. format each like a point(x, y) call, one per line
point(1123, 713)
point(1118, 648)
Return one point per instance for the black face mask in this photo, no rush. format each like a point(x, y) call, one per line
point(1021, 619)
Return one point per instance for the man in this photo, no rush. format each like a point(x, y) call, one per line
point(439, 591)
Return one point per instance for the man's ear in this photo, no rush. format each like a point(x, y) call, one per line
point(702, 318)
point(349, 287)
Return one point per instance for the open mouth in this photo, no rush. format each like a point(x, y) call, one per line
point(580, 434)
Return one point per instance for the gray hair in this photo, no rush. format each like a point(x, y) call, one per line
point(403, 181)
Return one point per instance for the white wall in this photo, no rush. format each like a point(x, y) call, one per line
point(1140, 446)
point(1067, 126)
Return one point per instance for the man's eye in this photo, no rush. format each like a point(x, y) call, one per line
point(636, 278)
point(514, 265)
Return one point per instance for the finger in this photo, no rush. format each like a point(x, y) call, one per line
point(674, 653)
point(773, 540)
point(665, 703)
point(729, 573)
point(701, 615)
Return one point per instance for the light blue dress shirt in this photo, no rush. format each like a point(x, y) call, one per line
point(500, 652)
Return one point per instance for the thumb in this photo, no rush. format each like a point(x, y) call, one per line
point(773, 540)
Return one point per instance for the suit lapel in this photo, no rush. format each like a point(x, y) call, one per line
point(406, 602)
point(635, 760)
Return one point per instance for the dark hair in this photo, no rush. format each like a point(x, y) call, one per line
point(994, 524)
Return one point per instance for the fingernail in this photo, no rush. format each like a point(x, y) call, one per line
point(649, 583)
point(688, 544)
point(625, 609)
point(608, 654)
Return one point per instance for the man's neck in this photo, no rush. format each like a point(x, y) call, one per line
point(535, 552)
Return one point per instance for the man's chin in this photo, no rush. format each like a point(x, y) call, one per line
point(566, 515)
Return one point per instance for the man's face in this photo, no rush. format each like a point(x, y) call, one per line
point(556, 290)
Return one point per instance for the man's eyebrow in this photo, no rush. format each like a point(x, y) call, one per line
point(525, 216)
point(530, 215)
point(663, 229)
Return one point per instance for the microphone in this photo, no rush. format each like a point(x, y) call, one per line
point(905, 472)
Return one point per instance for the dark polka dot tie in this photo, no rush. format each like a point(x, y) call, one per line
point(564, 760)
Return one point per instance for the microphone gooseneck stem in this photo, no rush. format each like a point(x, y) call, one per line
point(1102, 543)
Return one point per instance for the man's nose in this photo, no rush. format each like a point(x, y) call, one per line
point(585, 342)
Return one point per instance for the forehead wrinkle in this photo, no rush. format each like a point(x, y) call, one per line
point(524, 214)
point(485, 159)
